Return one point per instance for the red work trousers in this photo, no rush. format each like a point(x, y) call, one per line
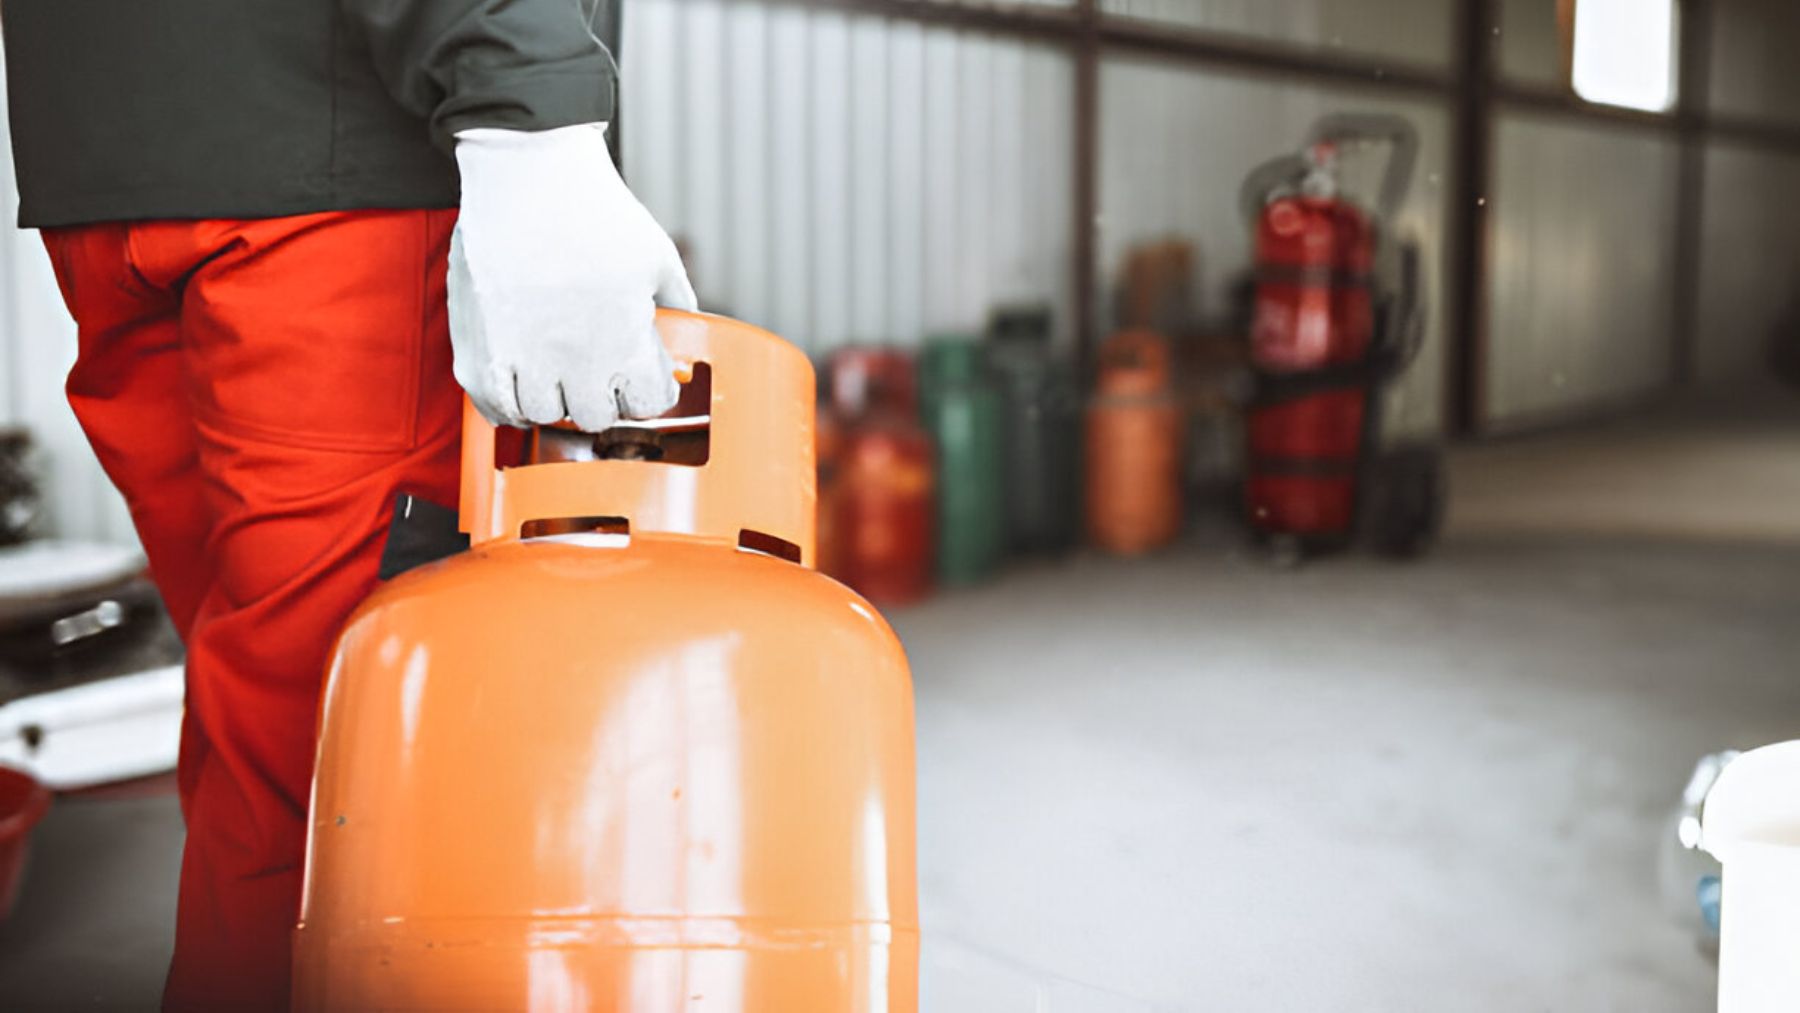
point(259, 391)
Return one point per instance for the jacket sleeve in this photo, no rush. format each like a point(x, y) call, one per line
point(516, 64)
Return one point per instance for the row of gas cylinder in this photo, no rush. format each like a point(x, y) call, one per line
point(934, 469)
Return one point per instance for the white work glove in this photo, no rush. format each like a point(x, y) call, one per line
point(555, 272)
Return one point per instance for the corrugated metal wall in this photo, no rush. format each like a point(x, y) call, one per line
point(1417, 31)
point(1750, 229)
point(1176, 144)
point(1753, 59)
point(1581, 266)
point(37, 346)
point(1531, 42)
point(840, 178)
point(844, 178)
point(1749, 259)
point(1751, 70)
point(1581, 282)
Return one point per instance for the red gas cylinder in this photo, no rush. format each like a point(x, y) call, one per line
point(652, 762)
point(1134, 446)
point(868, 379)
point(883, 511)
point(882, 492)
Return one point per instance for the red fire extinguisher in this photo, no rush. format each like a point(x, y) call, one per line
point(1336, 317)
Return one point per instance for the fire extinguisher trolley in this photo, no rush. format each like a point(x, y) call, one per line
point(1337, 318)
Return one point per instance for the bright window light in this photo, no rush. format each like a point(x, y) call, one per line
point(1625, 53)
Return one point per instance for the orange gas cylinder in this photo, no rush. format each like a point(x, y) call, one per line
point(1134, 438)
point(657, 764)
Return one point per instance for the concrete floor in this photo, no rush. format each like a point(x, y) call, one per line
point(1708, 468)
point(1196, 782)
point(93, 925)
point(1199, 783)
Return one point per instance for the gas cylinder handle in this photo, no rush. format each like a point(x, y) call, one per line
point(1397, 131)
point(758, 478)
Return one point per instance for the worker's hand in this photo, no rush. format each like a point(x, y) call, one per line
point(555, 272)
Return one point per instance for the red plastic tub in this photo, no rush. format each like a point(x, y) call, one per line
point(23, 801)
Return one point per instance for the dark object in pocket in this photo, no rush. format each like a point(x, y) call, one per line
point(421, 532)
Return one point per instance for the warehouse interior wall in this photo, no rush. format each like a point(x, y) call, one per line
point(37, 347)
point(843, 176)
point(1531, 44)
point(1581, 311)
point(1752, 71)
point(1749, 284)
point(1580, 306)
point(1414, 31)
point(1750, 260)
point(1580, 302)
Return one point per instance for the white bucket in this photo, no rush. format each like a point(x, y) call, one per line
point(1752, 826)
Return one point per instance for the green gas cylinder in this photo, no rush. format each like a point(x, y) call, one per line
point(1043, 431)
point(963, 410)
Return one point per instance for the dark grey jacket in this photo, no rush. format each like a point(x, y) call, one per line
point(133, 109)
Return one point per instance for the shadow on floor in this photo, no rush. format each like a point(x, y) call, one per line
point(95, 920)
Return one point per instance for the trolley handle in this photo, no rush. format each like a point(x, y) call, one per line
point(1276, 173)
point(1397, 131)
point(1407, 309)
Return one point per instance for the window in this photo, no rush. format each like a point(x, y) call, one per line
point(1624, 53)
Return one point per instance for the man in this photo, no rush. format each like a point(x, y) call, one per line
point(253, 211)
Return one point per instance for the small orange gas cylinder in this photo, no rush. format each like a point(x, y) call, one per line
point(655, 763)
point(1134, 446)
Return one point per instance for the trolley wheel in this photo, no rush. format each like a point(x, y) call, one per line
point(1406, 506)
point(1280, 551)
